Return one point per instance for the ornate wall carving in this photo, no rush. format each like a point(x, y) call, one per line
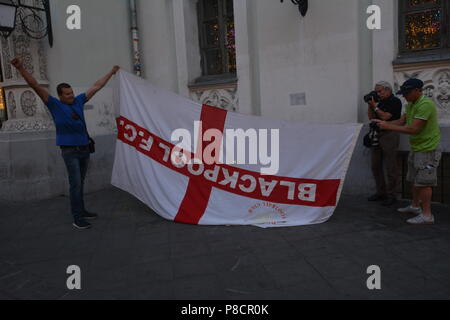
point(28, 103)
point(22, 48)
point(222, 96)
point(23, 125)
point(26, 112)
point(436, 77)
point(11, 106)
point(42, 62)
point(106, 118)
point(6, 55)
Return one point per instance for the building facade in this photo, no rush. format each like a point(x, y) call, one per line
point(259, 57)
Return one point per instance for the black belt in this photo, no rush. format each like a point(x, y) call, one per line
point(79, 148)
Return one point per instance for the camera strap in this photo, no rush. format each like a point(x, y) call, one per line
point(84, 122)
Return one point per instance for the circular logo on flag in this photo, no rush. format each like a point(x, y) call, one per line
point(266, 213)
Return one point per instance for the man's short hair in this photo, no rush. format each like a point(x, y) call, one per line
point(62, 86)
point(385, 85)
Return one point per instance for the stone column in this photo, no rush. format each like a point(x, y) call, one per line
point(25, 110)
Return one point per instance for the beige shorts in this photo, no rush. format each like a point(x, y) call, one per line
point(423, 167)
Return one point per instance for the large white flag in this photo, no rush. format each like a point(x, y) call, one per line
point(203, 165)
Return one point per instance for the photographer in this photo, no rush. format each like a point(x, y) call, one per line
point(383, 105)
point(420, 122)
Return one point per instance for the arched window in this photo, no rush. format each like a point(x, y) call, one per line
point(424, 27)
point(217, 37)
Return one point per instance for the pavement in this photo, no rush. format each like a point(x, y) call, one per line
point(132, 253)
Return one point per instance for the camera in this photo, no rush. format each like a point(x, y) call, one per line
point(374, 95)
point(374, 135)
point(374, 126)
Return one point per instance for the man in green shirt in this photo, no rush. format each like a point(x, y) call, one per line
point(421, 123)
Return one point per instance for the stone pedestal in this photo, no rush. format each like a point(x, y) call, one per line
point(25, 110)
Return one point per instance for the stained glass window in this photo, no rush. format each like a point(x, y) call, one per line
point(423, 30)
point(217, 37)
point(3, 114)
point(424, 25)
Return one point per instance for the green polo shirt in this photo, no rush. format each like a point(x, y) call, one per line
point(429, 138)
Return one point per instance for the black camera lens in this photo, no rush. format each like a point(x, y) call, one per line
point(373, 95)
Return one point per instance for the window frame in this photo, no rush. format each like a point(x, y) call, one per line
point(206, 77)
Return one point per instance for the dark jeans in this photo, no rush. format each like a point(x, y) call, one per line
point(77, 162)
point(385, 157)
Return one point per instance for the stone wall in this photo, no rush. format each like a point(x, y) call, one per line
point(31, 166)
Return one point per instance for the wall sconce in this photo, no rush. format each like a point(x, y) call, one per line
point(302, 6)
point(31, 22)
point(8, 12)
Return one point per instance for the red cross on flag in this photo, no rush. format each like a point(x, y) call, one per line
point(203, 165)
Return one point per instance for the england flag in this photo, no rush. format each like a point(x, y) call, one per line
point(202, 165)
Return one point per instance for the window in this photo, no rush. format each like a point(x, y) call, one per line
point(3, 115)
point(217, 38)
point(423, 26)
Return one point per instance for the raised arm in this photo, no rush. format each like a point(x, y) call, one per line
point(41, 92)
point(101, 83)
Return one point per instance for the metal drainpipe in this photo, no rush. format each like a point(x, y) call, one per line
point(137, 66)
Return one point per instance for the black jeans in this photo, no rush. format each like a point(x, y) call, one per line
point(77, 162)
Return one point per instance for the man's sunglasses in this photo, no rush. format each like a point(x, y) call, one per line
point(75, 117)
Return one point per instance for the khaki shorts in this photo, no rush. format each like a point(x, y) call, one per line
point(422, 168)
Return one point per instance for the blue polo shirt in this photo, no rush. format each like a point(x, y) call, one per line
point(69, 132)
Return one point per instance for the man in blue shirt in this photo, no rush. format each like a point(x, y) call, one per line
point(71, 135)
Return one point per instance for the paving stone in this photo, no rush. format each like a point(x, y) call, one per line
point(132, 253)
point(205, 287)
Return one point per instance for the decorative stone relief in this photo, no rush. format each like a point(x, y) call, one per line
point(28, 103)
point(6, 55)
point(107, 121)
point(12, 106)
point(23, 125)
point(26, 112)
point(443, 90)
point(224, 97)
point(437, 84)
point(42, 62)
point(22, 48)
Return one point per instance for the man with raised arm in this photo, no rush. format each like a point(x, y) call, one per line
point(71, 135)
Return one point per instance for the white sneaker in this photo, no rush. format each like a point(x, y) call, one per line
point(421, 220)
point(410, 209)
